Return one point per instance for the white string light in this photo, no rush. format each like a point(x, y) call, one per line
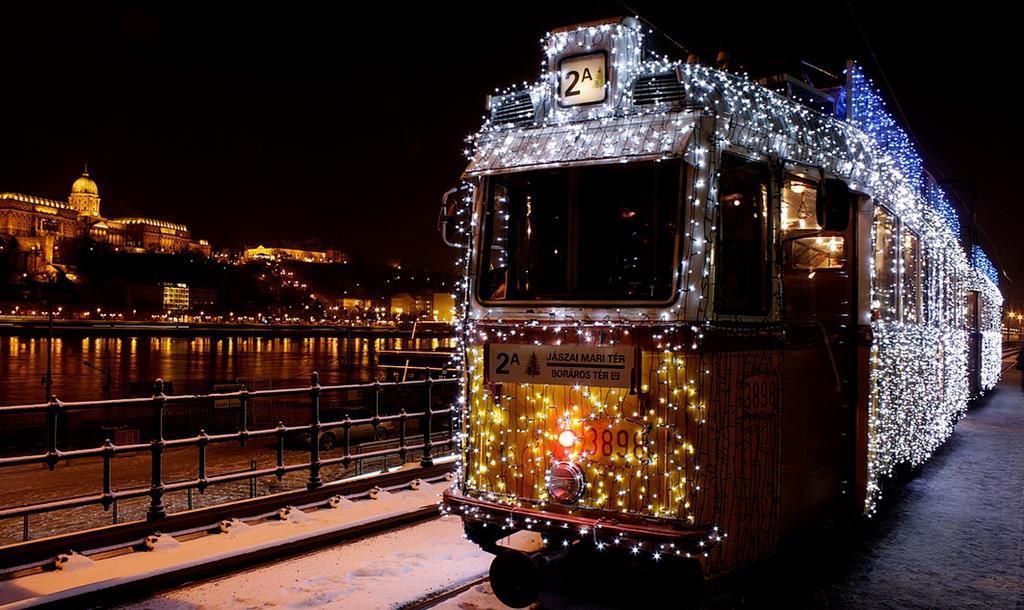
point(918, 382)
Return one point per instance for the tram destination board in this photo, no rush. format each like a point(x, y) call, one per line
point(583, 79)
point(607, 366)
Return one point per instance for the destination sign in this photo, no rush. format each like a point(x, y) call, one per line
point(583, 79)
point(612, 366)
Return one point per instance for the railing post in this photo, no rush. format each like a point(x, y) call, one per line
point(280, 451)
point(203, 441)
point(402, 421)
point(428, 418)
point(243, 403)
point(157, 510)
point(314, 433)
point(51, 432)
point(346, 439)
point(108, 455)
point(376, 396)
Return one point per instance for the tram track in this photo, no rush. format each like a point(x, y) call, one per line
point(1009, 358)
point(436, 599)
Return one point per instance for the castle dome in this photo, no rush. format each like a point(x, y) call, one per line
point(85, 185)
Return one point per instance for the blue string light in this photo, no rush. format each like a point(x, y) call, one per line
point(981, 263)
point(939, 202)
point(867, 110)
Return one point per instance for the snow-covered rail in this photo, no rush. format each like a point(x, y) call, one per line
point(163, 560)
point(413, 567)
point(437, 598)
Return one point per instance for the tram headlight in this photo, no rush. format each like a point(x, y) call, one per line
point(566, 482)
point(567, 439)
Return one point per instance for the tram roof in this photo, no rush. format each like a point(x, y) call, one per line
point(651, 109)
point(622, 139)
point(645, 126)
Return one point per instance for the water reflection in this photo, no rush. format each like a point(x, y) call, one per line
point(97, 367)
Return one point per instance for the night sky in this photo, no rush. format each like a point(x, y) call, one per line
point(256, 123)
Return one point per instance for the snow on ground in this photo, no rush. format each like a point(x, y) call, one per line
point(82, 574)
point(384, 571)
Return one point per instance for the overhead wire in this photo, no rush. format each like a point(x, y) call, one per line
point(653, 27)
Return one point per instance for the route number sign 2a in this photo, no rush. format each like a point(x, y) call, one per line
point(584, 365)
point(583, 79)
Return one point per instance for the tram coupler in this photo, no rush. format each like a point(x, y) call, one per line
point(517, 577)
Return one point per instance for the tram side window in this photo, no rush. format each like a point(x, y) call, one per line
point(957, 315)
point(886, 264)
point(799, 205)
point(910, 273)
point(972, 310)
point(927, 289)
point(742, 275)
point(800, 214)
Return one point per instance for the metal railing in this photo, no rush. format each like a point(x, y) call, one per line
point(425, 442)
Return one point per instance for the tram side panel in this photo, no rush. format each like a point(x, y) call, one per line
point(739, 474)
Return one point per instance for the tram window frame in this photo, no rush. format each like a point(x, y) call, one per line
point(915, 309)
point(754, 297)
point(972, 310)
point(806, 183)
point(573, 238)
point(888, 309)
point(797, 236)
point(927, 288)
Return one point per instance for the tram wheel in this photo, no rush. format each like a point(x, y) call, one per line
point(516, 578)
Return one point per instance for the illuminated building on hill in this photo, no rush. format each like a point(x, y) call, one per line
point(278, 253)
point(40, 226)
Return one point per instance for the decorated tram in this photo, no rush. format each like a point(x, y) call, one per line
point(700, 312)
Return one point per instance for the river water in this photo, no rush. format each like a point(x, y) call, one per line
point(82, 366)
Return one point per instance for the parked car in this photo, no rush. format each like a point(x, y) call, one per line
point(360, 433)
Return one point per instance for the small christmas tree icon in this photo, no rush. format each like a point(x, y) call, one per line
point(532, 366)
point(599, 81)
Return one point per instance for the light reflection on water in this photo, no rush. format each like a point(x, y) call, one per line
point(193, 365)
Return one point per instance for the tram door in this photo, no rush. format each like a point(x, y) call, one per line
point(818, 310)
point(973, 343)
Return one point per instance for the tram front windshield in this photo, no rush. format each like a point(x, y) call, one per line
point(599, 233)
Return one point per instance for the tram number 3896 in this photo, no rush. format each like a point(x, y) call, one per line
point(608, 441)
point(759, 394)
